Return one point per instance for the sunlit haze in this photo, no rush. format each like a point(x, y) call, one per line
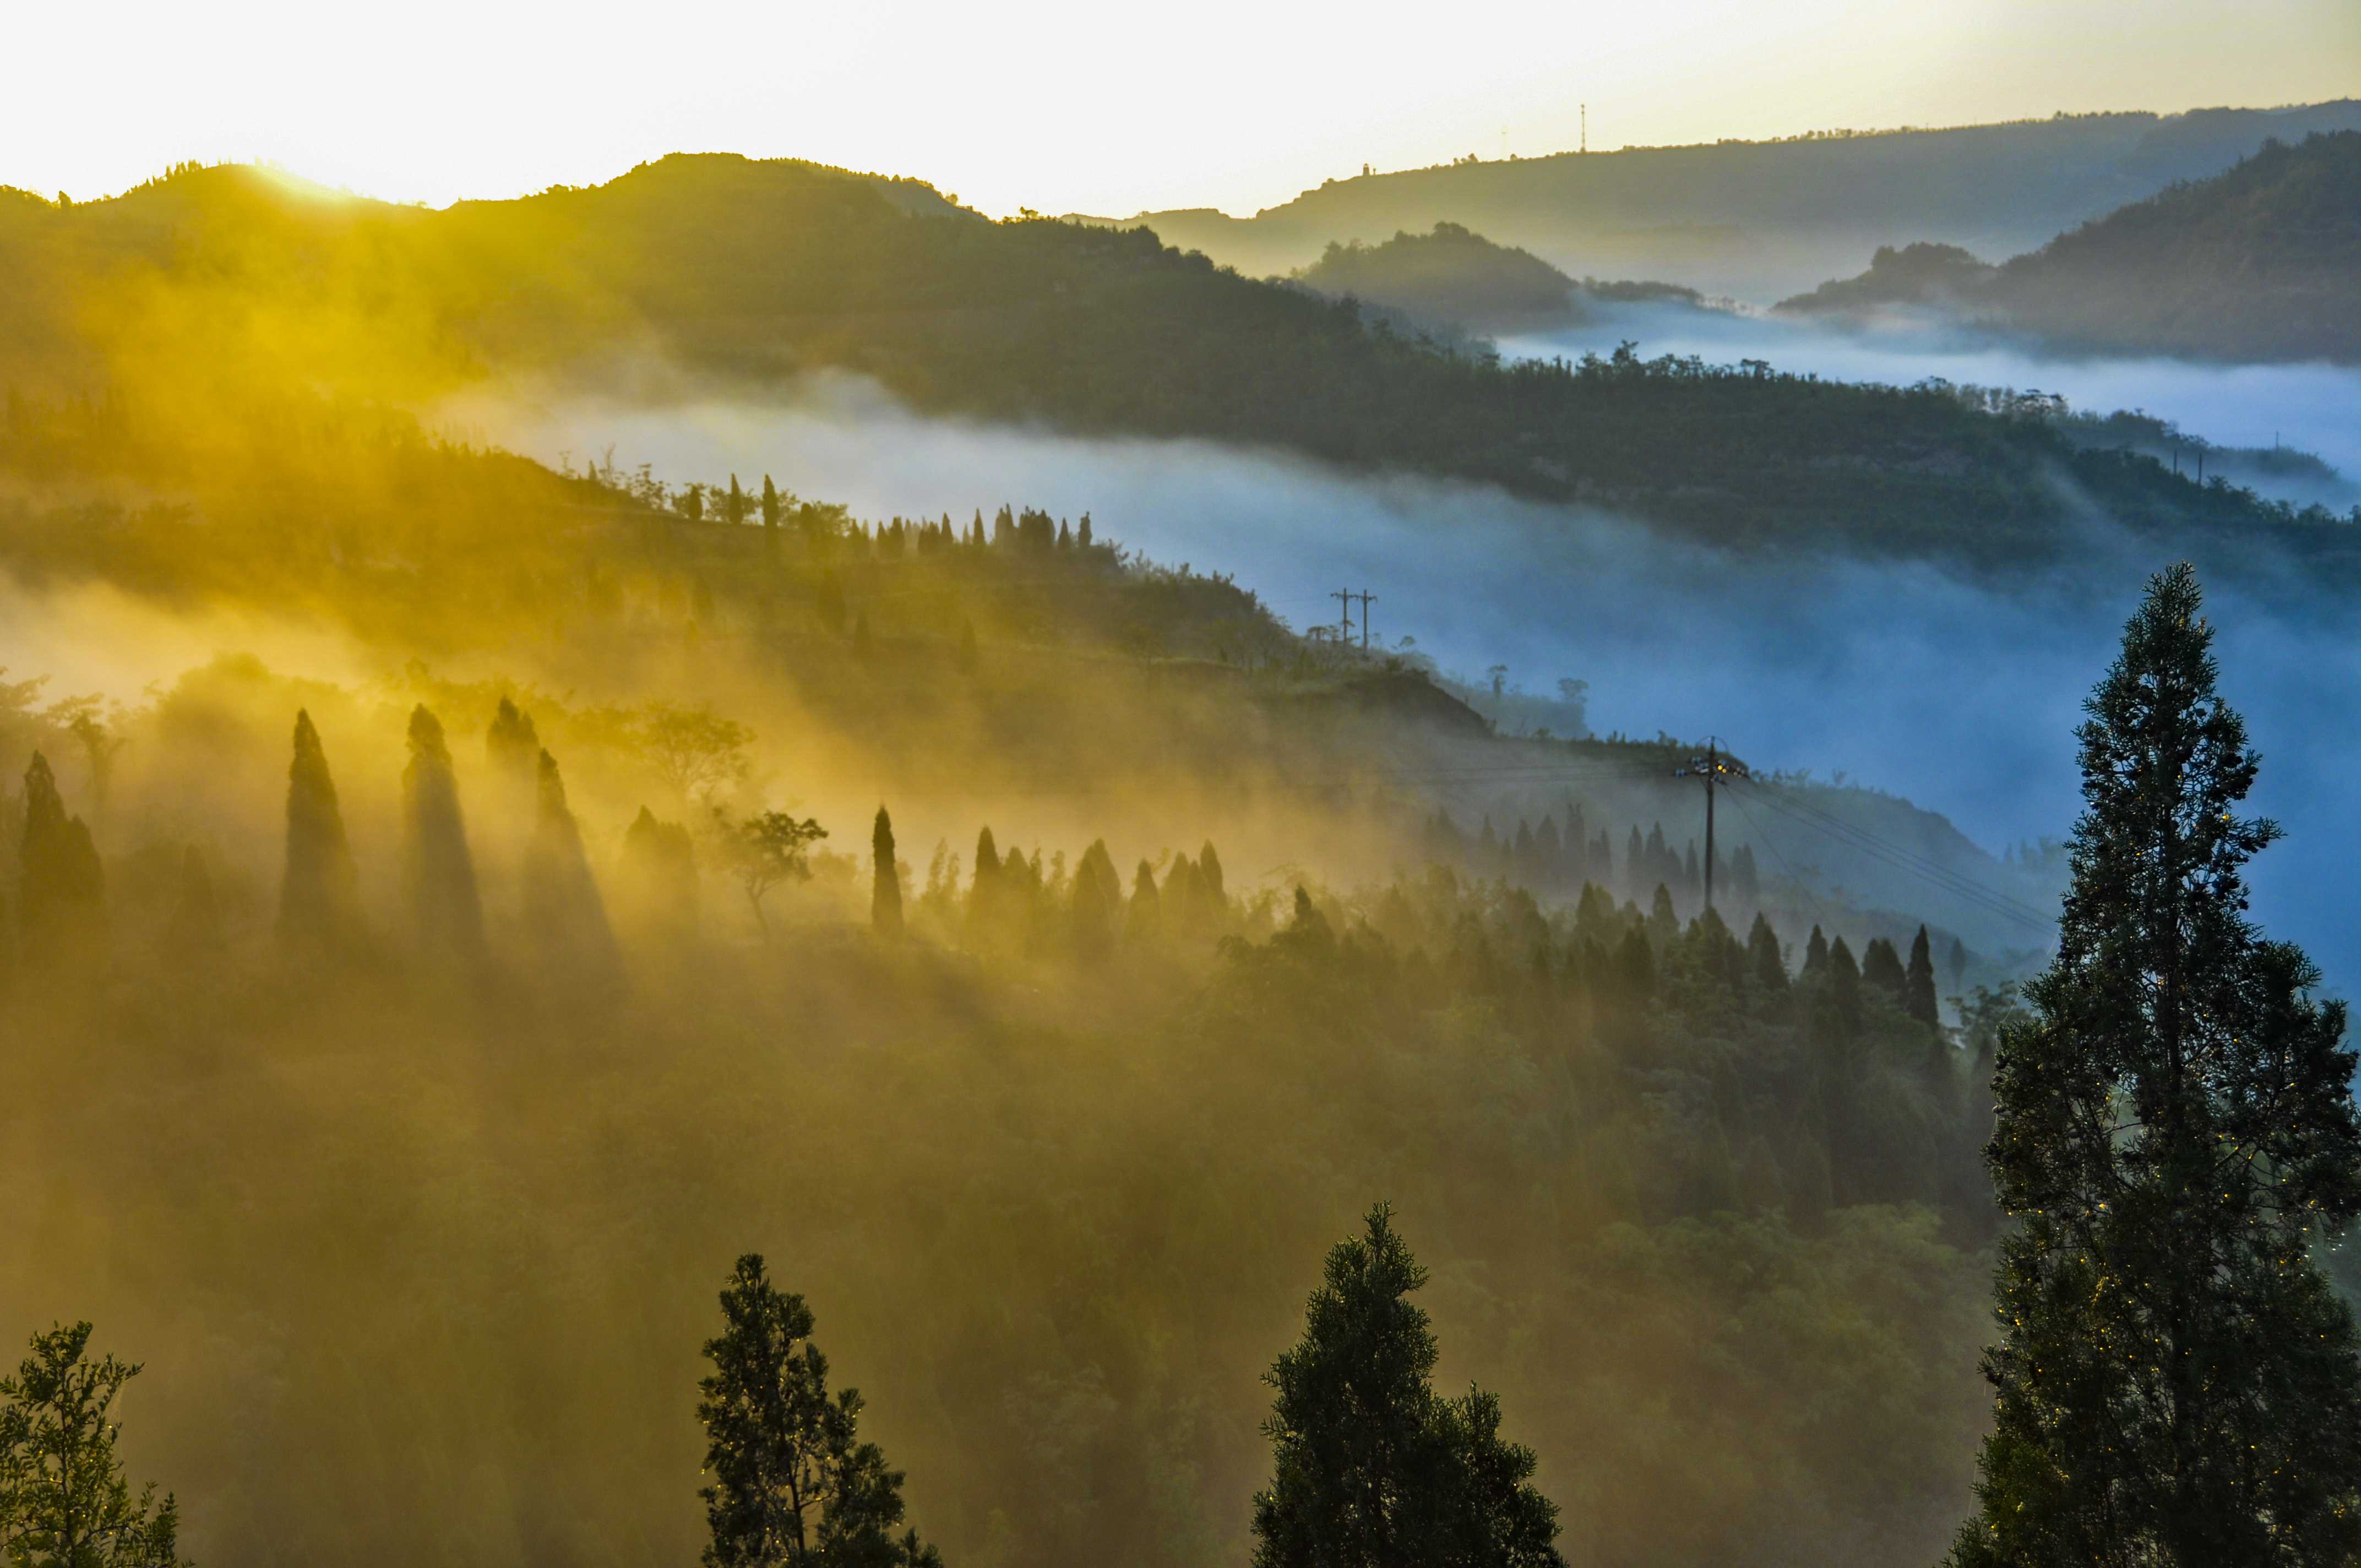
point(1072, 107)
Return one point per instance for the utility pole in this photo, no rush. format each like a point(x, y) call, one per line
point(1366, 599)
point(1714, 768)
point(1345, 597)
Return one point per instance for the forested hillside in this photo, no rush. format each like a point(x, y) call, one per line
point(182, 297)
point(2260, 263)
point(1760, 220)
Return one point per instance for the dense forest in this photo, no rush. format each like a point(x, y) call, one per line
point(190, 291)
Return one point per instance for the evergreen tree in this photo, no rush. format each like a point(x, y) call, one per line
point(1815, 954)
point(562, 906)
point(1143, 920)
point(60, 886)
point(1956, 963)
point(64, 1500)
point(512, 749)
point(1097, 900)
point(983, 891)
point(1844, 986)
point(1371, 1467)
point(1209, 866)
point(771, 508)
point(2178, 1385)
point(1918, 982)
point(1770, 964)
point(1881, 966)
point(886, 878)
point(319, 899)
point(793, 1483)
point(447, 912)
point(1745, 883)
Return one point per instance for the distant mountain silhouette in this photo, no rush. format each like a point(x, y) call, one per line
point(2260, 263)
point(1760, 220)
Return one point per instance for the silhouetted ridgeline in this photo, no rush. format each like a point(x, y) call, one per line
point(224, 285)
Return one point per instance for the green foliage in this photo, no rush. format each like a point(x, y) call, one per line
point(1371, 1467)
point(64, 1499)
point(793, 1483)
point(764, 849)
point(2177, 1383)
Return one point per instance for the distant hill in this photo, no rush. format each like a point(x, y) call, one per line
point(1449, 275)
point(215, 289)
point(2262, 262)
point(1763, 220)
point(1914, 275)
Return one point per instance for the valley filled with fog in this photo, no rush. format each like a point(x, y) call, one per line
point(1959, 694)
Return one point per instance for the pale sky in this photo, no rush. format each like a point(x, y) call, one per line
point(1065, 106)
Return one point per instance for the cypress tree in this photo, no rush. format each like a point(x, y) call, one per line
point(319, 900)
point(447, 912)
point(1815, 954)
point(1209, 866)
point(562, 906)
point(1844, 986)
point(1144, 921)
point(1918, 982)
point(1881, 966)
point(1097, 897)
point(2177, 1383)
point(770, 504)
point(62, 887)
point(886, 878)
point(512, 749)
point(1770, 964)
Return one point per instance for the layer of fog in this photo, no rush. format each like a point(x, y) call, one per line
point(1905, 677)
point(2309, 406)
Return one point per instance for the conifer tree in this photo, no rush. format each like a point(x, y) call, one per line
point(1956, 962)
point(1143, 920)
point(2177, 1383)
point(1844, 986)
point(983, 898)
point(770, 504)
point(1371, 1468)
point(793, 1485)
point(1918, 982)
point(562, 905)
point(60, 886)
point(319, 899)
point(1770, 964)
point(64, 1500)
point(1209, 866)
point(1815, 954)
point(1745, 883)
point(1097, 899)
point(512, 750)
point(1881, 966)
point(886, 878)
point(447, 912)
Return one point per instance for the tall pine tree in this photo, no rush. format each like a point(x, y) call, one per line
point(885, 888)
point(441, 872)
point(2178, 1386)
point(319, 900)
point(62, 887)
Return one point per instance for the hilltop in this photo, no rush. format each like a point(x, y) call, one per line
point(1760, 220)
point(2260, 263)
point(213, 287)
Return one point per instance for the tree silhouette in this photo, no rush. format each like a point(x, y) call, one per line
point(319, 900)
point(64, 1500)
point(2177, 1383)
point(793, 1483)
point(885, 890)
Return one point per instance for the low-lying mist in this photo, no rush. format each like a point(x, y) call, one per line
point(1961, 694)
point(2308, 406)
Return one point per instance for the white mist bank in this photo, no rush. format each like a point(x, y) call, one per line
point(1960, 697)
point(2310, 407)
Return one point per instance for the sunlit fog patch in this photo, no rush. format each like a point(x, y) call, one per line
point(1962, 695)
point(2309, 406)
